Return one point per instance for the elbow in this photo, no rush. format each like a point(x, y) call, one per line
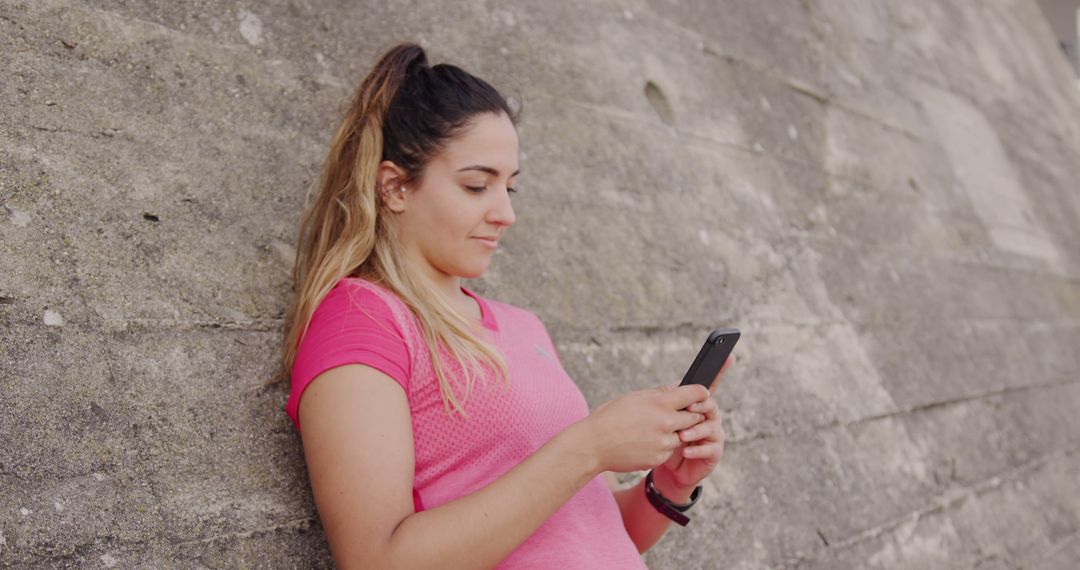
point(356, 561)
point(388, 553)
point(361, 555)
point(362, 561)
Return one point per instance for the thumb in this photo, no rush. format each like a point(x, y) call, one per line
point(675, 460)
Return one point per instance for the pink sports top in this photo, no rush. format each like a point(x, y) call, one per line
point(362, 323)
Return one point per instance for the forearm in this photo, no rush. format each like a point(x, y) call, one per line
point(482, 528)
point(643, 522)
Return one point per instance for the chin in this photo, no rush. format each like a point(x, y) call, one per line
point(472, 272)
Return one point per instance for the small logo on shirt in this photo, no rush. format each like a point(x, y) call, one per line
point(543, 352)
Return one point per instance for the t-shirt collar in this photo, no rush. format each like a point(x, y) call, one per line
point(486, 317)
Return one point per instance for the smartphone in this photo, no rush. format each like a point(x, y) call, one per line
point(711, 357)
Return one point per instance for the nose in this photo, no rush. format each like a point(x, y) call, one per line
point(502, 212)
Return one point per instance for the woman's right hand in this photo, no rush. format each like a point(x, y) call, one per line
point(639, 430)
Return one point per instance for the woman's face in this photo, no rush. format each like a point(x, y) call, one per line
point(452, 219)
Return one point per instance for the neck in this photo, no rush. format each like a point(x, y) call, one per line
point(446, 286)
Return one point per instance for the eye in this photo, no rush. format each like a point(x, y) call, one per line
point(511, 190)
point(476, 189)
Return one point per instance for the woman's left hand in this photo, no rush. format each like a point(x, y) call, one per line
point(701, 449)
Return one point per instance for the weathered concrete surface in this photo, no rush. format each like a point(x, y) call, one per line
point(881, 195)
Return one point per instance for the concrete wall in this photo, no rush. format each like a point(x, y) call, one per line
point(1062, 15)
point(881, 195)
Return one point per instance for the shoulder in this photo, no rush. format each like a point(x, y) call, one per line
point(353, 300)
point(356, 322)
point(360, 293)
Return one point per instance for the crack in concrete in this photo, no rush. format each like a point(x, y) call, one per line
point(1053, 551)
point(79, 552)
point(105, 133)
point(877, 120)
point(902, 412)
point(270, 324)
point(795, 84)
point(958, 495)
point(969, 261)
point(141, 24)
point(748, 149)
point(649, 329)
point(37, 475)
point(754, 65)
point(622, 114)
point(939, 504)
point(51, 129)
point(943, 403)
point(303, 523)
point(260, 324)
point(752, 323)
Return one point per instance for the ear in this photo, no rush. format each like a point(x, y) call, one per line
point(390, 179)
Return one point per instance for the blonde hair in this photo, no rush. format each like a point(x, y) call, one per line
point(347, 232)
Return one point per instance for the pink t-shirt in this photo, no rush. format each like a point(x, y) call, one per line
point(359, 322)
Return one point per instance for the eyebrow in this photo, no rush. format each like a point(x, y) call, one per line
point(487, 169)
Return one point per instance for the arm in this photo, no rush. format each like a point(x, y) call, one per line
point(643, 523)
point(357, 436)
point(702, 447)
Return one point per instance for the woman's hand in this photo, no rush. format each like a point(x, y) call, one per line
point(699, 452)
point(641, 429)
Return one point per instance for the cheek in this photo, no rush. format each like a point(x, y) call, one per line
point(445, 224)
point(454, 215)
point(443, 228)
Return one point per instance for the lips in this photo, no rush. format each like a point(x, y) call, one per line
point(491, 241)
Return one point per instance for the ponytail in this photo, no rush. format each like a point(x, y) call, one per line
point(403, 111)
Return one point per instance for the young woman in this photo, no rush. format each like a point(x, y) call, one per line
point(439, 427)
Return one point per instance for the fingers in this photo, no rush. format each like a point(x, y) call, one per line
point(708, 407)
point(707, 431)
point(684, 420)
point(710, 453)
point(682, 396)
point(711, 429)
point(675, 459)
point(708, 447)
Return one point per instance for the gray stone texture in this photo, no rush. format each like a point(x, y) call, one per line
point(881, 195)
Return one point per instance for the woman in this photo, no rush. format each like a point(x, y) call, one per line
point(439, 427)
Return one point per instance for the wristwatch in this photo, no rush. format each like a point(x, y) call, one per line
point(666, 507)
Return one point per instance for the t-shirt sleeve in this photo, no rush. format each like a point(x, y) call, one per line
point(352, 325)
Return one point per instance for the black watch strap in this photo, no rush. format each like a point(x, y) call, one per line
point(666, 507)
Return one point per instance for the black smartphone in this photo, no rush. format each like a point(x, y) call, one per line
point(711, 357)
